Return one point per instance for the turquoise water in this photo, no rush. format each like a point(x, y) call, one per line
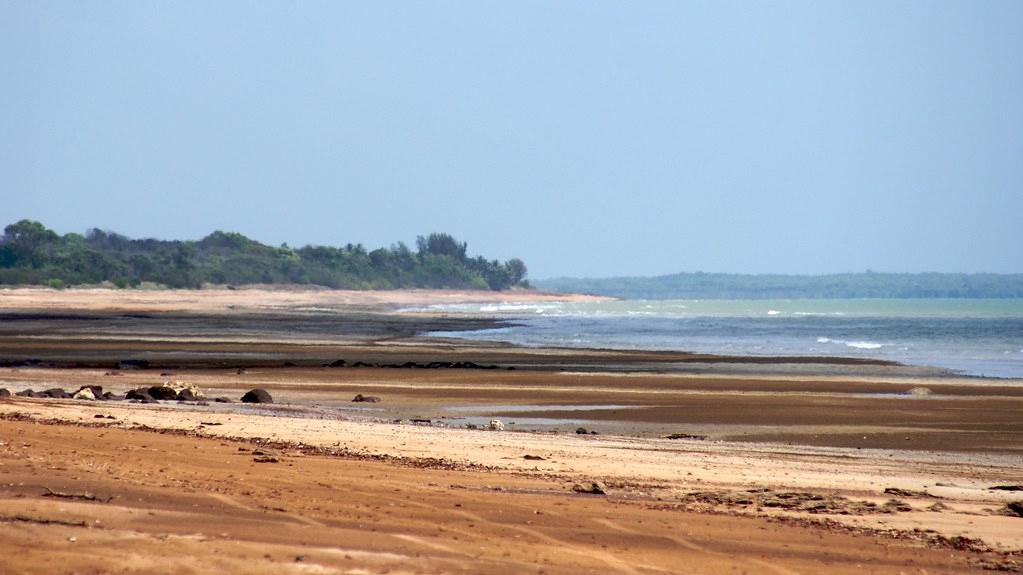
point(972, 337)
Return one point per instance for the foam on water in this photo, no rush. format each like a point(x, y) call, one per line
point(970, 336)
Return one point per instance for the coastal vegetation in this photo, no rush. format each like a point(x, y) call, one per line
point(31, 254)
point(868, 284)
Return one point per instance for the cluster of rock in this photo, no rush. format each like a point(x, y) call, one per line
point(170, 391)
point(94, 392)
point(176, 391)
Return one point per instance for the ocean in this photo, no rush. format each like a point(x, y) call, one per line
point(980, 337)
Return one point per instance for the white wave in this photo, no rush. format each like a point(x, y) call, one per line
point(864, 344)
point(853, 344)
point(773, 312)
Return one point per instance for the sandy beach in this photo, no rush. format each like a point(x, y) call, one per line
point(706, 464)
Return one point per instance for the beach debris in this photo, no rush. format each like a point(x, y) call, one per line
point(584, 431)
point(919, 391)
point(594, 488)
point(906, 492)
point(795, 501)
point(359, 398)
point(495, 425)
point(685, 436)
point(223, 400)
point(532, 457)
point(85, 496)
point(257, 396)
point(101, 416)
point(420, 421)
point(1006, 488)
point(1014, 508)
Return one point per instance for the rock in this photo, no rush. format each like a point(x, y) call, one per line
point(495, 425)
point(1014, 508)
point(938, 507)
point(84, 393)
point(163, 392)
point(132, 364)
point(594, 488)
point(26, 393)
point(581, 431)
point(56, 393)
point(337, 363)
point(366, 399)
point(179, 386)
point(224, 400)
point(532, 457)
point(257, 396)
point(141, 394)
point(4, 392)
point(241, 371)
point(110, 396)
point(187, 395)
point(1006, 488)
point(97, 390)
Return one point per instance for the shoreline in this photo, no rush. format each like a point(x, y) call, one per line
point(783, 453)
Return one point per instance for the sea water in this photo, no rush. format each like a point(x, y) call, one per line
point(982, 337)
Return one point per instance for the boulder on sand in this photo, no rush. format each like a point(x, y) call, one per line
point(187, 395)
point(163, 392)
point(56, 393)
point(26, 393)
point(366, 399)
point(84, 393)
point(4, 392)
point(257, 396)
point(88, 392)
point(141, 393)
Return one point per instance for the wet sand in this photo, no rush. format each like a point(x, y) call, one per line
point(784, 471)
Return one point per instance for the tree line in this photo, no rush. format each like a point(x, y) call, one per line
point(699, 285)
point(31, 254)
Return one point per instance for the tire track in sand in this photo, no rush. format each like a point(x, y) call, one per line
point(683, 542)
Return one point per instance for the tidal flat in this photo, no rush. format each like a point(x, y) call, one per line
point(601, 460)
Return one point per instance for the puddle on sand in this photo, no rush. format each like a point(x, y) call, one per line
point(516, 422)
point(490, 408)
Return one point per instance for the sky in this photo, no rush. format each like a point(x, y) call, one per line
point(588, 138)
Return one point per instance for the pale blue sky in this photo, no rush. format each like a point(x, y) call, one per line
point(588, 138)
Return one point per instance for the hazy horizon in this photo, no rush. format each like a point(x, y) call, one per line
point(589, 139)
